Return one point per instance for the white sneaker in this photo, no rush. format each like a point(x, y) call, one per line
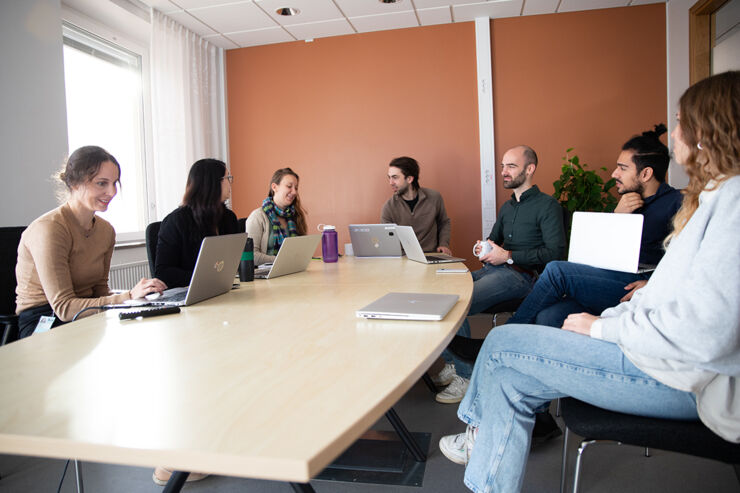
point(445, 376)
point(458, 447)
point(454, 392)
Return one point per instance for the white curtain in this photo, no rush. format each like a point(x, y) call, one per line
point(187, 111)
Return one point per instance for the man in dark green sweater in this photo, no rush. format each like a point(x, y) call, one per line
point(528, 233)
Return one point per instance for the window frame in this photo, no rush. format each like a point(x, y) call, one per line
point(76, 20)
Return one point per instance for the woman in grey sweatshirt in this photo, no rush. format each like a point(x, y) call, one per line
point(672, 351)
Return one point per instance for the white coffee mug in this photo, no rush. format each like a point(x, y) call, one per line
point(485, 247)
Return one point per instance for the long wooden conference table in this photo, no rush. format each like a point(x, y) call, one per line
point(273, 380)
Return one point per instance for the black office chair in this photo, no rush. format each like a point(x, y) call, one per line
point(152, 236)
point(10, 237)
point(599, 425)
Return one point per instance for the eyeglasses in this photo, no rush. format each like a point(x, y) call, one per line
point(229, 178)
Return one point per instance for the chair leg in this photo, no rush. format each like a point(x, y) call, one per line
point(557, 409)
point(430, 384)
point(647, 452)
point(78, 474)
point(564, 462)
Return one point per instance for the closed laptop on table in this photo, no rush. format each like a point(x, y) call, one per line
point(409, 306)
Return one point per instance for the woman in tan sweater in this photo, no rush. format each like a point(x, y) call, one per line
point(64, 256)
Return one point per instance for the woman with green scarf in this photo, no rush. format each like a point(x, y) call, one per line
point(279, 217)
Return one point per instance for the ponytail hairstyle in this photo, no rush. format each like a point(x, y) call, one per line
point(203, 194)
point(81, 166)
point(710, 127)
point(650, 152)
point(300, 212)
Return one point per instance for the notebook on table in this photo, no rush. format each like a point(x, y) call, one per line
point(294, 256)
point(607, 240)
point(409, 306)
point(413, 250)
point(374, 240)
point(218, 260)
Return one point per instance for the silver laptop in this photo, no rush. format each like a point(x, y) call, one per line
point(213, 275)
point(294, 256)
point(607, 240)
point(414, 252)
point(374, 240)
point(410, 306)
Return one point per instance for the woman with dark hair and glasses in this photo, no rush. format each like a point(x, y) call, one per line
point(280, 216)
point(64, 256)
point(202, 213)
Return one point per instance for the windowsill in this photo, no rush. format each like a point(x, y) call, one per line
point(129, 244)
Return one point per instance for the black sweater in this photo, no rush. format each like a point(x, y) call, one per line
point(179, 243)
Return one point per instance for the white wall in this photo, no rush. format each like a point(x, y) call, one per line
point(677, 31)
point(33, 135)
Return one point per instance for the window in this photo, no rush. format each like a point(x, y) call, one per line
point(105, 107)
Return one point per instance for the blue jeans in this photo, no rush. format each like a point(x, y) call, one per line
point(492, 284)
point(567, 287)
point(520, 367)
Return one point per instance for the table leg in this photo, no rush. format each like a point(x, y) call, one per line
point(176, 482)
point(405, 436)
point(78, 475)
point(302, 488)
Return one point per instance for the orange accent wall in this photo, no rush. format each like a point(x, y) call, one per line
point(337, 110)
point(588, 80)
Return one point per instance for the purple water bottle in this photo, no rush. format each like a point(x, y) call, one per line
point(329, 249)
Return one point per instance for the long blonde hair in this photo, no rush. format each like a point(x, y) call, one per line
point(709, 119)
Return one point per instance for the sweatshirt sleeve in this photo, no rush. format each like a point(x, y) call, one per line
point(701, 324)
point(50, 245)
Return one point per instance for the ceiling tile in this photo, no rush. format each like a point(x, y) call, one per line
point(163, 6)
point(356, 8)
point(439, 15)
point(574, 5)
point(535, 7)
point(196, 4)
point(425, 4)
point(233, 17)
point(191, 23)
point(398, 20)
point(336, 27)
point(221, 41)
point(310, 10)
point(493, 9)
point(260, 37)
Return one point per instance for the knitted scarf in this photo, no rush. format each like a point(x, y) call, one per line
point(277, 233)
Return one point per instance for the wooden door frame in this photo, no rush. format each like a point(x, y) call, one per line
point(701, 38)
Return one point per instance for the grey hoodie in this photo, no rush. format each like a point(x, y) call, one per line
point(683, 327)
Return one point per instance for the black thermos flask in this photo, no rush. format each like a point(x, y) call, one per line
point(246, 266)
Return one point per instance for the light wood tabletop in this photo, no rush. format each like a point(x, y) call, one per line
point(273, 380)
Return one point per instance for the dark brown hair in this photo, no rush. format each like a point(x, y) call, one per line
point(300, 213)
point(203, 194)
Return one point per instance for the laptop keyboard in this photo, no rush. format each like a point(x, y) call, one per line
point(176, 294)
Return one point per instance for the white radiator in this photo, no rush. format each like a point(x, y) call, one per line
point(125, 276)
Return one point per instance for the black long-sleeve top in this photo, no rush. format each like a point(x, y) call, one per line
point(179, 243)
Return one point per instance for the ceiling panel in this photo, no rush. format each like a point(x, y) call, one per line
point(163, 6)
point(310, 10)
point(195, 4)
point(575, 5)
point(191, 23)
point(260, 37)
point(356, 8)
point(536, 7)
point(493, 9)
point(220, 40)
point(337, 27)
point(233, 17)
point(397, 20)
point(439, 15)
point(425, 4)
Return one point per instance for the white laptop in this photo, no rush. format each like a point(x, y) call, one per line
point(374, 240)
point(294, 256)
point(409, 306)
point(607, 240)
point(414, 252)
point(213, 275)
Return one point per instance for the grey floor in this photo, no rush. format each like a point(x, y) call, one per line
point(607, 468)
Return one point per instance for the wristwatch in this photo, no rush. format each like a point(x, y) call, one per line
point(510, 260)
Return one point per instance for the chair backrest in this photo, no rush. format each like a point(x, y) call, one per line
point(152, 237)
point(10, 237)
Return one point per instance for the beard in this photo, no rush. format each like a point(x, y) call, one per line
point(516, 181)
point(402, 190)
point(637, 187)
